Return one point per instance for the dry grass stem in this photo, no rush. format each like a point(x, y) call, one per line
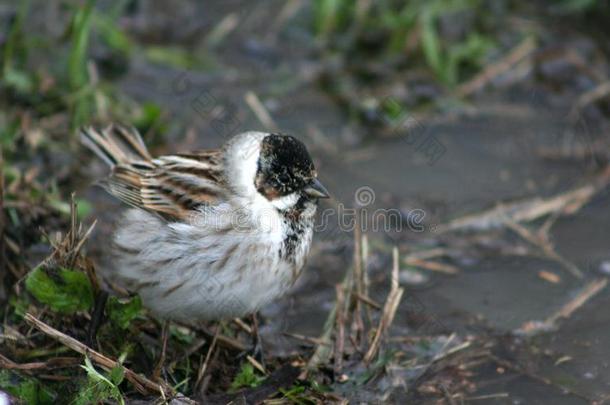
point(206, 362)
point(225, 341)
point(426, 254)
point(257, 365)
point(433, 266)
point(541, 241)
point(222, 29)
point(260, 111)
point(498, 68)
point(489, 396)
point(566, 203)
point(588, 292)
point(244, 326)
point(357, 322)
point(2, 237)
point(366, 279)
point(308, 339)
point(389, 310)
point(324, 349)
point(597, 93)
point(545, 380)
point(368, 301)
point(141, 383)
point(322, 142)
point(55, 362)
point(340, 328)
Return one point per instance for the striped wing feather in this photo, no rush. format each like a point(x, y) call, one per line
point(173, 186)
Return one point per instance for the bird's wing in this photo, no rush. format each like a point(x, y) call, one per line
point(174, 186)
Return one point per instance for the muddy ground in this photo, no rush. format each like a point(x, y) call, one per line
point(471, 322)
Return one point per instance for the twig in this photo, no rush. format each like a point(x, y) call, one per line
point(367, 300)
point(597, 93)
point(366, 282)
point(488, 396)
point(8, 364)
point(547, 248)
point(161, 360)
point(2, 225)
point(445, 353)
point(205, 364)
point(549, 276)
point(323, 351)
point(496, 69)
point(224, 341)
point(447, 394)
point(340, 328)
point(85, 236)
point(568, 202)
point(73, 233)
point(389, 309)
point(321, 141)
point(222, 29)
point(256, 364)
point(141, 383)
point(521, 370)
point(588, 292)
point(242, 325)
point(357, 323)
point(545, 229)
point(433, 266)
point(290, 8)
point(426, 254)
point(198, 344)
point(260, 111)
point(308, 339)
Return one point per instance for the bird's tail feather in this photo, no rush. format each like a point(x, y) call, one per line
point(115, 144)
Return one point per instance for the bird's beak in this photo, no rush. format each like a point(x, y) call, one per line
point(315, 189)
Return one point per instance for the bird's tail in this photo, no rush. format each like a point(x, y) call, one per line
point(115, 144)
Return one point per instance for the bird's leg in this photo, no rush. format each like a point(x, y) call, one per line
point(257, 352)
point(96, 317)
point(161, 361)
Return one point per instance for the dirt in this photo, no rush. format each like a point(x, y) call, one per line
point(505, 146)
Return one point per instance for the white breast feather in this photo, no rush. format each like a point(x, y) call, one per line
point(220, 265)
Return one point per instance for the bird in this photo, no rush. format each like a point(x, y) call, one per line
point(211, 234)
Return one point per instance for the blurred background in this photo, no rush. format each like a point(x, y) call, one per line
point(482, 125)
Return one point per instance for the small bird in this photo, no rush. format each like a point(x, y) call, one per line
point(212, 234)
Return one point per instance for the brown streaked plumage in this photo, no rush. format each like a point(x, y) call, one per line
point(171, 186)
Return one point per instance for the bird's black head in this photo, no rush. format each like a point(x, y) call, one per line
point(285, 167)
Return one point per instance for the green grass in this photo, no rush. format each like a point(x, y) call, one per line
point(408, 31)
point(14, 42)
point(14, 54)
point(246, 378)
point(78, 78)
point(342, 25)
point(100, 387)
point(27, 389)
point(578, 6)
point(122, 312)
point(65, 291)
